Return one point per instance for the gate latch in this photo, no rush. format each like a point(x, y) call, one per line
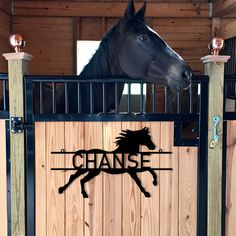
point(17, 125)
point(215, 140)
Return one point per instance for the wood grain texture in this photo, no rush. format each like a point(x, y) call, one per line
point(112, 199)
point(41, 179)
point(5, 29)
point(74, 203)
point(215, 71)
point(224, 7)
point(115, 205)
point(169, 184)
point(107, 9)
point(3, 180)
point(230, 179)
point(188, 191)
point(150, 207)
point(131, 221)
point(50, 41)
point(17, 69)
point(227, 28)
point(93, 206)
point(55, 179)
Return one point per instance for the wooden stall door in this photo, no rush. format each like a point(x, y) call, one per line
point(116, 206)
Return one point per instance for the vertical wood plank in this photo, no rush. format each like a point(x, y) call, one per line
point(93, 206)
point(169, 183)
point(55, 179)
point(131, 222)
point(150, 207)
point(231, 180)
point(214, 68)
point(40, 179)
point(3, 180)
point(112, 200)
point(188, 191)
point(18, 66)
point(74, 206)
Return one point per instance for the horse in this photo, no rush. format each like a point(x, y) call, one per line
point(129, 49)
point(128, 142)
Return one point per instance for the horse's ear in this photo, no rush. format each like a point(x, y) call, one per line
point(141, 12)
point(130, 10)
point(146, 128)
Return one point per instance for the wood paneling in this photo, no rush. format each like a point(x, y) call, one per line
point(227, 28)
point(3, 180)
point(231, 180)
point(188, 37)
point(46, 37)
point(4, 36)
point(224, 7)
point(5, 6)
point(115, 205)
point(107, 9)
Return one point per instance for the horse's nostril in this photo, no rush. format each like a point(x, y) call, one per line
point(187, 75)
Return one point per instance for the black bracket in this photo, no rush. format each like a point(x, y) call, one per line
point(17, 125)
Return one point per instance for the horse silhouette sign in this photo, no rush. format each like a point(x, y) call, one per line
point(126, 158)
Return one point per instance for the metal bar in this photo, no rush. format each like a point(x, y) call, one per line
point(141, 108)
point(40, 97)
point(116, 98)
point(166, 99)
point(190, 99)
point(154, 98)
point(78, 98)
point(118, 117)
point(202, 162)
point(53, 99)
point(66, 99)
point(4, 96)
point(129, 98)
point(103, 98)
point(91, 96)
point(224, 162)
point(105, 79)
point(178, 102)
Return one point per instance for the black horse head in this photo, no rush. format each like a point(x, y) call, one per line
point(132, 49)
point(130, 141)
point(144, 54)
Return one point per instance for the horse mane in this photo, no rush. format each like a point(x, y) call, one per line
point(103, 59)
point(129, 136)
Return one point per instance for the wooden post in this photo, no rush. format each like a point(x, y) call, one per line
point(17, 68)
point(214, 68)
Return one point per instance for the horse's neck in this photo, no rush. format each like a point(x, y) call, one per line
point(104, 61)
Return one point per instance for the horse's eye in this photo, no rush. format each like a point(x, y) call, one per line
point(143, 37)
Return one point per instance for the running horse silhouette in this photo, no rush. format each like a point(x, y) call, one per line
point(132, 49)
point(128, 142)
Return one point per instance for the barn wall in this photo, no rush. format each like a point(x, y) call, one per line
point(5, 29)
point(52, 39)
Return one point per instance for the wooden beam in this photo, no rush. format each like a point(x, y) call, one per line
point(17, 67)
point(227, 28)
point(224, 7)
point(214, 68)
point(106, 9)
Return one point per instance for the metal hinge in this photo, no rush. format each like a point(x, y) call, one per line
point(17, 125)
